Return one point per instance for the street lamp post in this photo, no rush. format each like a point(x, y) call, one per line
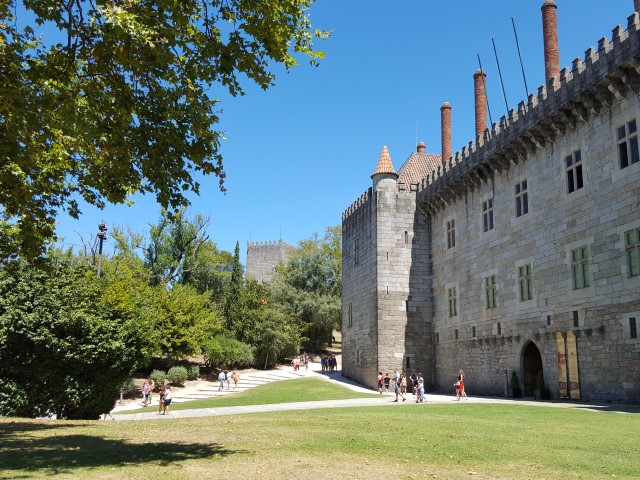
point(102, 236)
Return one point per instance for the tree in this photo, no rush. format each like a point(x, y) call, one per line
point(62, 350)
point(115, 99)
point(183, 321)
point(233, 304)
point(174, 246)
point(309, 286)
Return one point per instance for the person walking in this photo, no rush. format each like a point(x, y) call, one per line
point(414, 382)
point(403, 387)
point(145, 393)
point(387, 382)
point(152, 387)
point(166, 401)
point(221, 379)
point(460, 393)
point(380, 382)
point(236, 379)
point(397, 385)
point(229, 378)
point(161, 392)
point(420, 388)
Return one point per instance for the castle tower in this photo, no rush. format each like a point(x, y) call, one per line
point(386, 304)
point(263, 257)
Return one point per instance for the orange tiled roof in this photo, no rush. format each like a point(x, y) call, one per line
point(417, 166)
point(384, 163)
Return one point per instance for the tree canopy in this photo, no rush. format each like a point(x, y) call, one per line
point(309, 286)
point(102, 99)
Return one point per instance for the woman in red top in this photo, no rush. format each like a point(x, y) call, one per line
point(460, 393)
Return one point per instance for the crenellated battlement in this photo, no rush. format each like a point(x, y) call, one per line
point(356, 206)
point(590, 86)
point(267, 244)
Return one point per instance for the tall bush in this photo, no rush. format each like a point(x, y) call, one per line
point(62, 351)
point(223, 351)
point(159, 377)
point(177, 375)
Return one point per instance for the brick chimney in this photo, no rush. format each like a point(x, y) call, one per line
point(445, 123)
point(421, 148)
point(550, 33)
point(636, 5)
point(479, 79)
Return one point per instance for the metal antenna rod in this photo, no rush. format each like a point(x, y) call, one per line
point(485, 89)
point(520, 57)
point(495, 52)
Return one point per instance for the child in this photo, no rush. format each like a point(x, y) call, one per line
point(387, 382)
point(161, 391)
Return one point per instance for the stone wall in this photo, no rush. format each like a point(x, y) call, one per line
point(396, 294)
point(359, 300)
point(595, 216)
point(263, 257)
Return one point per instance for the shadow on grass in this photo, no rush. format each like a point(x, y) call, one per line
point(612, 408)
point(64, 453)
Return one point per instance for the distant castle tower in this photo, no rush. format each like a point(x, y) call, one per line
point(263, 257)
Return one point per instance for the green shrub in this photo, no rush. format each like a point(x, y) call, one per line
point(63, 349)
point(227, 352)
point(177, 375)
point(159, 377)
point(193, 372)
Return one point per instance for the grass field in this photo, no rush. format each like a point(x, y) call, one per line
point(299, 390)
point(403, 441)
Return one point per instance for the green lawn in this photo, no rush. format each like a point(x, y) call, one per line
point(285, 391)
point(396, 441)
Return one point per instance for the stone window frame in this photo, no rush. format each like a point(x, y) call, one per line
point(452, 300)
point(585, 291)
point(488, 214)
point(574, 171)
point(448, 289)
point(497, 328)
point(356, 252)
point(628, 282)
point(490, 288)
point(408, 361)
point(632, 252)
point(626, 321)
point(350, 314)
point(580, 276)
point(450, 232)
point(521, 196)
point(627, 141)
point(530, 286)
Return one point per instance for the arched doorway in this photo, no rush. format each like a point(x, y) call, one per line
point(531, 365)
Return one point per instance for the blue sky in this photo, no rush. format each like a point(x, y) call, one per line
point(300, 153)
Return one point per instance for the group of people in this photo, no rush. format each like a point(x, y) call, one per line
point(399, 384)
point(329, 363)
point(296, 361)
point(228, 376)
point(164, 392)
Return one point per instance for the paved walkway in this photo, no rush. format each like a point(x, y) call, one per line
point(255, 378)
